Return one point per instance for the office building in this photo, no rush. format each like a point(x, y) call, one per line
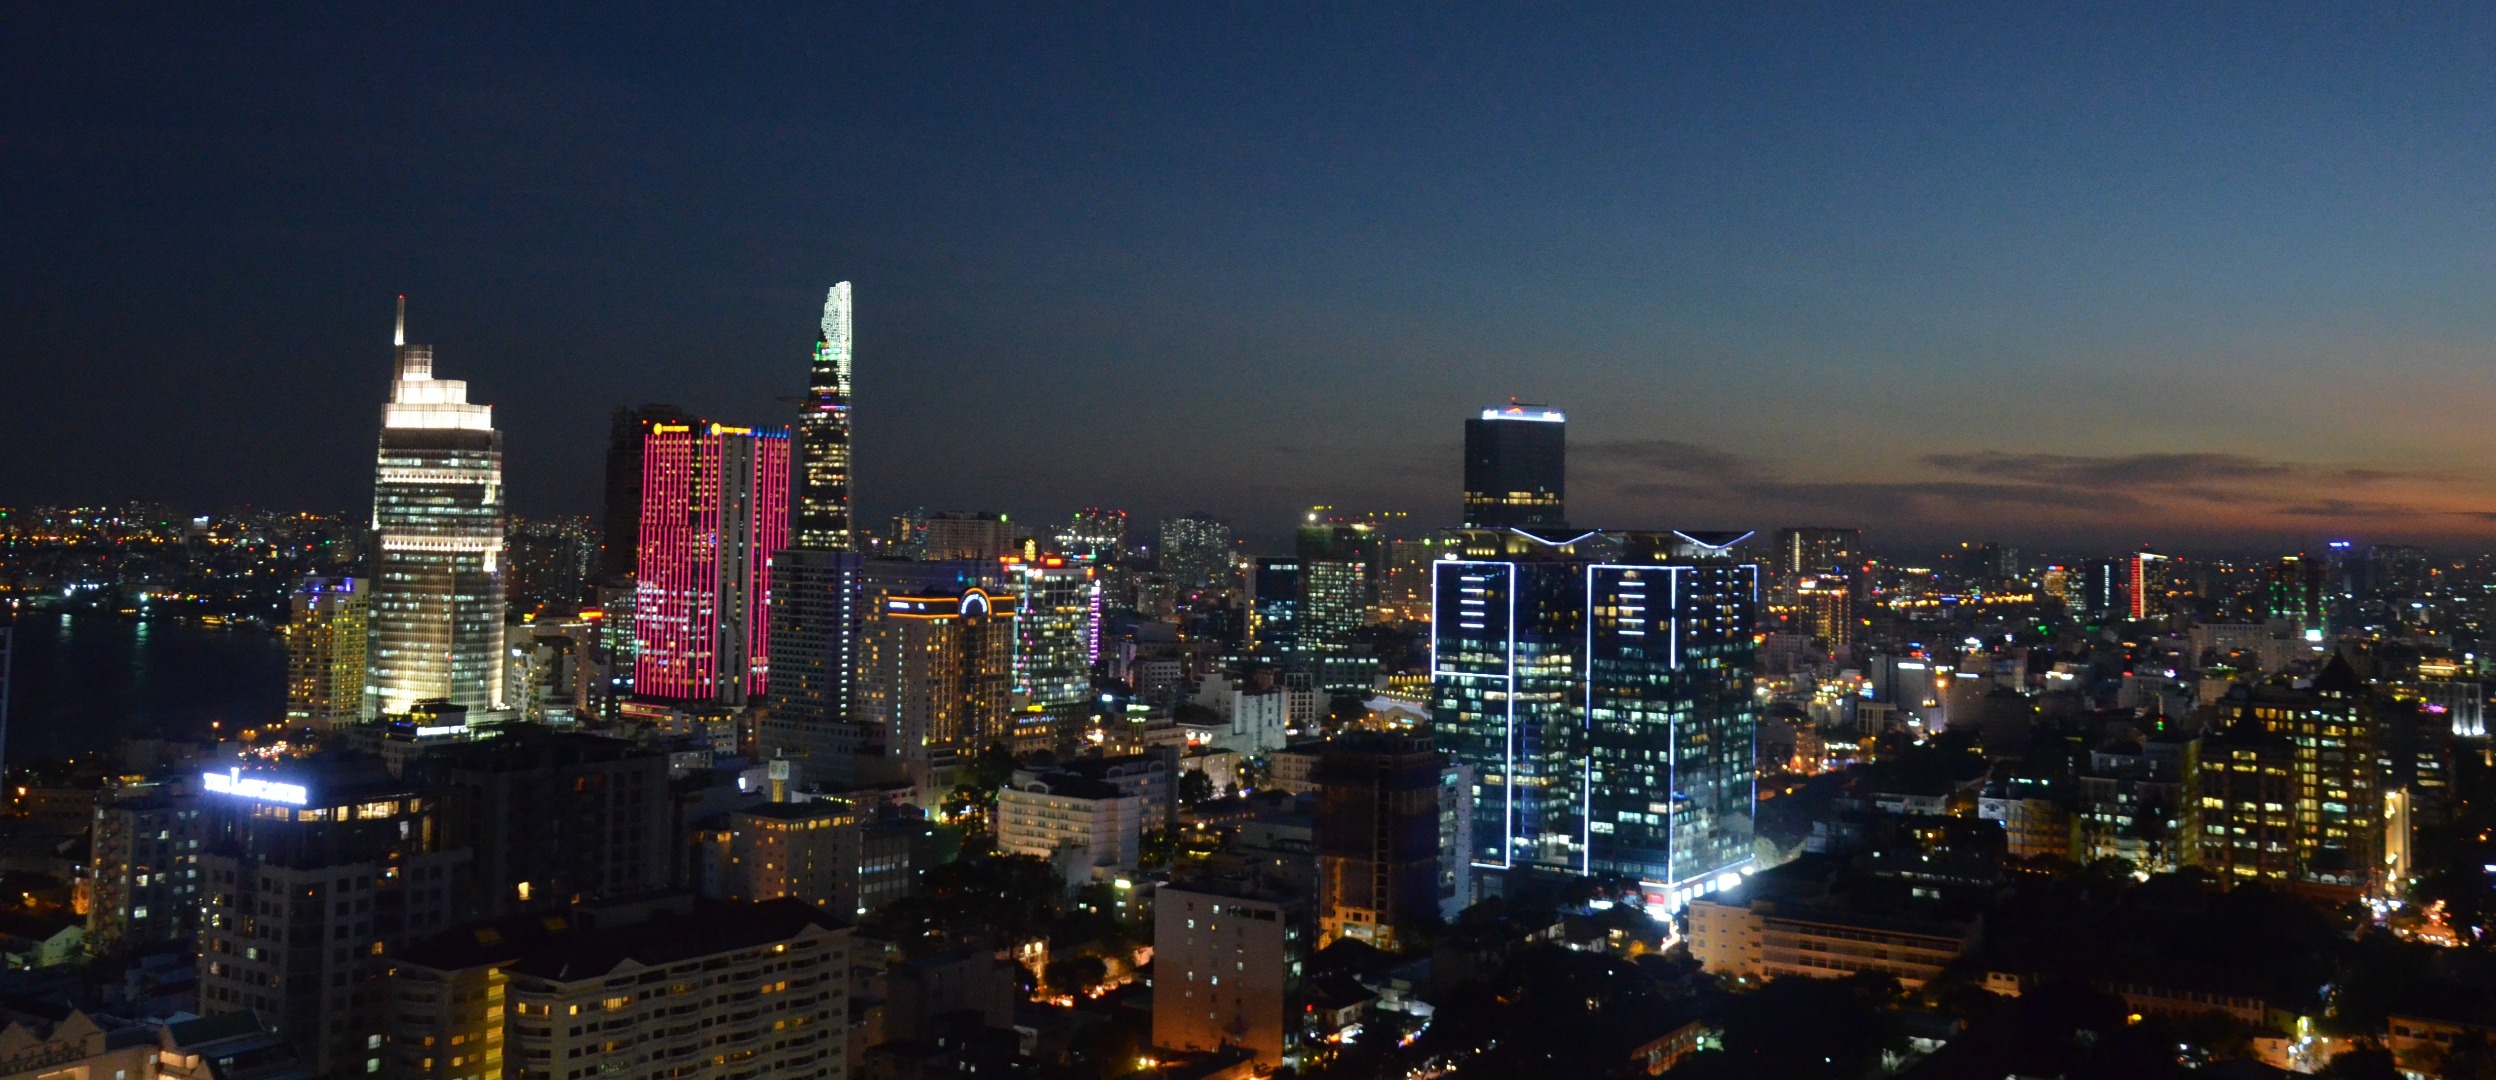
point(2139, 801)
point(1094, 535)
point(2292, 590)
point(1335, 602)
point(1825, 607)
point(935, 667)
point(326, 651)
point(814, 647)
point(619, 522)
point(143, 875)
point(2337, 811)
point(1227, 963)
point(551, 563)
point(714, 506)
point(551, 818)
point(437, 593)
point(1058, 638)
point(1196, 552)
point(1377, 837)
point(823, 511)
point(964, 535)
point(906, 535)
point(2102, 588)
point(2145, 586)
point(1405, 596)
point(1599, 687)
point(1274, 589)
point(814, 613)
point(1516, 461)
point(1804, 550)
point(1985, 563)
point(310, 872)
point(659, 988)
point(2247, 784)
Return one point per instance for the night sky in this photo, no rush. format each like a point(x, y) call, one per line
point(2195, 276)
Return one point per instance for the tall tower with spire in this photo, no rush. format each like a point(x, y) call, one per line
point(436, 629)
point(816, 585)
point(823, 515)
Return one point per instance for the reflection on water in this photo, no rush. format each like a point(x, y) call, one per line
point(84, 682)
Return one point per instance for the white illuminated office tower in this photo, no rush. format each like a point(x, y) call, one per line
point(437, 598)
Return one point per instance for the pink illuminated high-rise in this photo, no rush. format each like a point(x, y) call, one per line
point(714, 506)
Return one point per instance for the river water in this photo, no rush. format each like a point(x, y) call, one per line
point(82, 683)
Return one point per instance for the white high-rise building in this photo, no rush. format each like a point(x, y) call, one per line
point(437, 596)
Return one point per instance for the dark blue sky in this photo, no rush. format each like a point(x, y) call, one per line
point(2171, 273)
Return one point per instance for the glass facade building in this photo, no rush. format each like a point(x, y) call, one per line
point(815, 608)
point(437, 596)
point(1057, 638)
point(1274, 604)
point(1516, 462)
point(1599, 688)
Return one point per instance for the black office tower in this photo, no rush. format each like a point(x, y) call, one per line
point(619, 526)
point(1515, 468)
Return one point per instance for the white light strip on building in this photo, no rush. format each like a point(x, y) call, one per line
point(395, 542)
point(233, 782)
point(438, 476)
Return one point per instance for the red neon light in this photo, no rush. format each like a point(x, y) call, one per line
point(696, 524)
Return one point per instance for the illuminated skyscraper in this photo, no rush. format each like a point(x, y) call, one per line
point(935, 666)
point(814, 617)
point(326, 650)
point(2145, 591)
point(1826, 604)
point(823, 512)
point(1343, 564)
point(1058, 636)
point(1599, 689)
point(437, 600)
point(1516, 463)
point(714, 505)
point(1335, 600)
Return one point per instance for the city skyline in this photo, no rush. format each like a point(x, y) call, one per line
point(1170, 543)
point(1831, 267)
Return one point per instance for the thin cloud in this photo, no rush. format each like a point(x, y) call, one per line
point(2125, 470)
point(1665, 455)
point(2190, 492)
